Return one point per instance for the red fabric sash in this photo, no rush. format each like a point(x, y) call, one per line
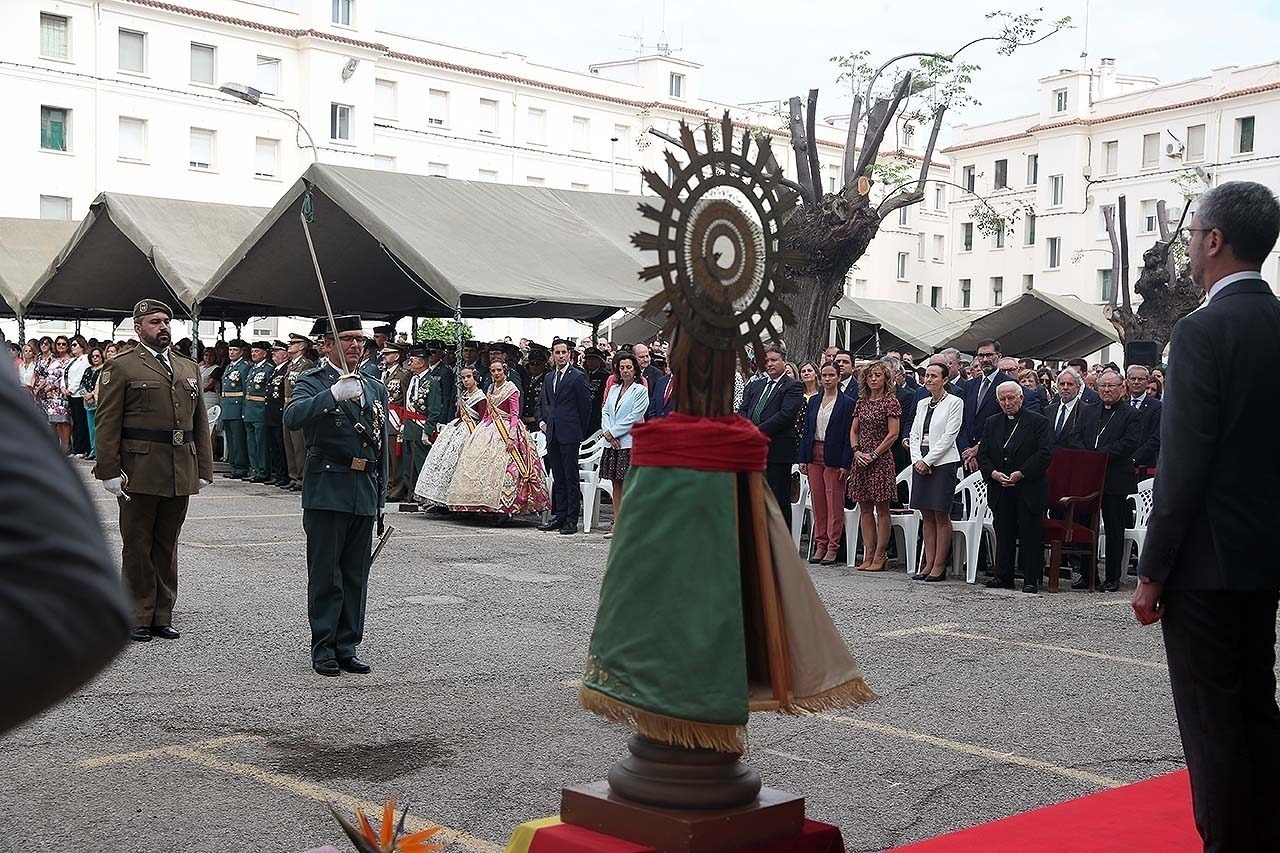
point(730, 443)
point(406, 415)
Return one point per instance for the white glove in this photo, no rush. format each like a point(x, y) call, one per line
point(346, 388)
point(115, 486)
point(202, 483)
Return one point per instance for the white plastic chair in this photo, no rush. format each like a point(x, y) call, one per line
point(801, 505)
point(908, 522)
point(589, 481)
point(972, 526)
point(1136, 536)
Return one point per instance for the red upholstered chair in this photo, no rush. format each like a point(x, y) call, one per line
point(1075, 478)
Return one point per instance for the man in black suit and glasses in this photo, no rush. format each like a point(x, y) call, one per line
point(566, 414)
point(771, 403)
point(1209, 567)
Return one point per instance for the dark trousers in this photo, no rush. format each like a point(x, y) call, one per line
point(414, 454)
point(1115, 515)
point(296, 454)
point(1221, 652)
point(339, 546)
point(256, 438)
point(1018, 531)
point(396, 487)
point(79, 425)
point(237, 448)
point(566, 496)
point(149, 526)
point(279, 466)
point(778, 476)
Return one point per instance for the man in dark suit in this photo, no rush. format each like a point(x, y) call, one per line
point(1014, 458)
point(1208, 566)
point(1088, 396)
point(1115, 428)
point(1063, 413)
point(661, 398)
point(1151, 409)
point(848, 381)
point(566, 406)
point(980, 402)
point(772, 404)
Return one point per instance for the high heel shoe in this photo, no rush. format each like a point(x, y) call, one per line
point(817, 556)
point(830, 559)
point(876, 565)
point(936, 578)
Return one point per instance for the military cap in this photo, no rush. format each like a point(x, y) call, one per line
point(295, 338)
point(238, 342)
point(262, 345)
point(151, 306)
point(385, 329)
point(511, 349)
point(471, 345)
point(280, 345)
point(344, 323)
point(418, 351)
point(391, 346)
point(592, 352)
point(434, 344)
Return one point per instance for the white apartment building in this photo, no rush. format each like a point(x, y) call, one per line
point(1098, 135)
point(122, 95)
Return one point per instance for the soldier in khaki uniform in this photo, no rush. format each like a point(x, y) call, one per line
point(152, 436)
point(396, 377)
point(295, 449)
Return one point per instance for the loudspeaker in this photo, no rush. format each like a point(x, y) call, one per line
point(1145, 353)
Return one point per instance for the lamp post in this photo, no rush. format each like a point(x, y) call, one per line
point(613, 159)
point(253, 97)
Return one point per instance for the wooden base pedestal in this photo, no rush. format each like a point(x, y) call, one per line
point(774, 814)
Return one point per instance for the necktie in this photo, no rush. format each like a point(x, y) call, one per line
point(1062, 416)
point(1137, 402)
point(164, 359)
point(764, 396)
point(982, 391)
point(555, 384)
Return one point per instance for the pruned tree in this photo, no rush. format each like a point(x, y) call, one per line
point(1164, 282)
point(835, 228)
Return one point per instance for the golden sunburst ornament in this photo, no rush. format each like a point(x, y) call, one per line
point(720, 236)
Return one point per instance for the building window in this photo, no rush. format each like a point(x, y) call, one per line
point(1244, 135)
point(1029, 230)
point(997, 239)
point(967, 178)
point(1150, 219)
point(622, 148)
point(1111, 157)
point(132, 139)
point(1055, 252)
point(488, 116)
point(831, 184)
point(438, 170)
point(935, 297)
point(1150, 150)
point(1028, 282)
point(384, 99)
point(55, 36)
point(534, 180)
point(580, 187)
point(904, 216)
point(997, 290)
point(202, 64)
point(902, 266)
point(1195, 143)
point(1105, 282)
point(55, 207)
point(342, 10)
point(132, 51)
point(490, 175)
point(537, 126)
point(859, 287)
point(201, 149)
point(966, 293)
point(266, 157)
point(581, 133)
point(384, 162)
point(340, 122)
point(438, 108)
point(1060, 100)
point(1033, 169)
point(908, 136)
point(939, 247)
point(920, 246)
point(55, 129)
point(1055, 190)
point(938, 197)
point(1002, 174)
point(675, 86)
point(268, 75)
point(966, 236)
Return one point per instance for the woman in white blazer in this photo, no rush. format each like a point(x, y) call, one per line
point(624, 407)
point(934, 460)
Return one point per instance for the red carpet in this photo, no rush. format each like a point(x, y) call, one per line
point(1152, 817)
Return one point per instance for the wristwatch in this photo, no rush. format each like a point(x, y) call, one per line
point(874, 456)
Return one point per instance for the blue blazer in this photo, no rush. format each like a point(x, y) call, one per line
point(836, 451)
point(568, 409)
point(658, 408)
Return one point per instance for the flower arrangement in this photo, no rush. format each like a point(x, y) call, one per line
point(390, 836)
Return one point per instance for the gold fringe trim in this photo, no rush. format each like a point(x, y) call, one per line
point(851, 694)
point(660, 727)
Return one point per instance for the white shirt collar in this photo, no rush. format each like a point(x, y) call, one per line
point(161, 357)
point(1139, 399)
point(1070, 404)
point(1231, 279)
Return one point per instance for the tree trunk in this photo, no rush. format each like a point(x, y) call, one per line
point(812, 306)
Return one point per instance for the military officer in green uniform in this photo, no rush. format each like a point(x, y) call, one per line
point(231, 402)
point(370, 361)
point(531, 399)
point(597, 378)
point(343, 418)
point(424, 411)
point(257, 384)
point(295, 451)
point(152, 438)
point(278, 464)
point(440, 369)
point(395, 376)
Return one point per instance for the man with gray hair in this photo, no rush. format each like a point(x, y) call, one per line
point(1064, 412)
point(1208, 568)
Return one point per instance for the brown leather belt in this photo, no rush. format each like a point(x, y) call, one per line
point(175, 437)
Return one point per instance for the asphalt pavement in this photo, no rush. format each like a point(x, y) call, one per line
point(991, 702)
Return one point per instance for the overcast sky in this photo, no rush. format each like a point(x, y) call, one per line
point(755, 51)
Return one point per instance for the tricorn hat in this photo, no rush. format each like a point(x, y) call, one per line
point(385, 329)
point(418, 352)
point(262, 345)
point(238, 342)
point(343, 323)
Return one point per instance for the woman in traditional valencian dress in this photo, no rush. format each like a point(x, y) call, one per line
point(437, 471)
point(499, 471)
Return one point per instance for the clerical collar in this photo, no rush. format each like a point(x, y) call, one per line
point(1108, 406)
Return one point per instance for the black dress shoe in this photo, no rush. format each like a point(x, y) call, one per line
point(1111, 586)
point(937, 578)
point(997, 583)
point(326, 667)
point(262, 480)
point(231, 476)
point(1081, 582)
point(817, 558)
point(1031, 588)
point(919, 576)
point(295, 487)
point(164, 631)
point(140, 634)
point(569, 529)
point(551, 525)
point(354, 664)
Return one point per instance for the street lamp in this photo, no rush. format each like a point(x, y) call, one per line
point(613, 158)
point(253, 97)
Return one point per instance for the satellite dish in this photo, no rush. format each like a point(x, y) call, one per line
point(350, 68)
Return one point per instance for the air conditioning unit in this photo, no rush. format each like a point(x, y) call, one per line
point(1174, 149)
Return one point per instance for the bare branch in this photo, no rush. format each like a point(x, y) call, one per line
point(894, 202)
point(876, 130)
point(928, 149)
point(773, 163)
point(1124, 255)
point(851, 143)
point(811, 131)
point(798, 145)
point(1108, 219)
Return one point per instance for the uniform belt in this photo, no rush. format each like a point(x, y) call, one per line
point(176, 437)
point(355, 463)
point(233, 393)
point(254, 399)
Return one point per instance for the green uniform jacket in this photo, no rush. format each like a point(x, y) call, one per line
point(428, 402)
point(234, 378)
point(396, 381)
point(333, 439)
point(293, 371)
point(135, 392)
point(257, 383)
point(448, 385)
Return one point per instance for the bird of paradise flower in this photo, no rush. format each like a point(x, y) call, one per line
point(390, 836)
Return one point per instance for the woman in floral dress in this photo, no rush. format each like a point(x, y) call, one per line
point(499, 471)
point(873, 483)
point(51, 390)
point(442, 459)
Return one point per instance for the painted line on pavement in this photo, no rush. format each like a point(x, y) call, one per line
point(195, 497)
point(293, 785)
point(978, 751)
point(397, 538)
point(944, 630)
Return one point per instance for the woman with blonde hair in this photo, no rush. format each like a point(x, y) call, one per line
point(934, 459)
point(873, 481)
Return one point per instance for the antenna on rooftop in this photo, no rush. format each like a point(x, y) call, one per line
point(1084, 52)
point(663, 48)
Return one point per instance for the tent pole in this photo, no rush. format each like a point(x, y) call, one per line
point(222, 329)
point(457, 340)
point(77, 325)
point(413, 330)
point(878, 353)
point(22, 329)
point(595, 333)
point(195, 327)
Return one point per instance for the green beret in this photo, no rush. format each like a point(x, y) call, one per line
point(151, 306)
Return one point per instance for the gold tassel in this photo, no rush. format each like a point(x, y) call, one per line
point(851, 694)
point(659, 727)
